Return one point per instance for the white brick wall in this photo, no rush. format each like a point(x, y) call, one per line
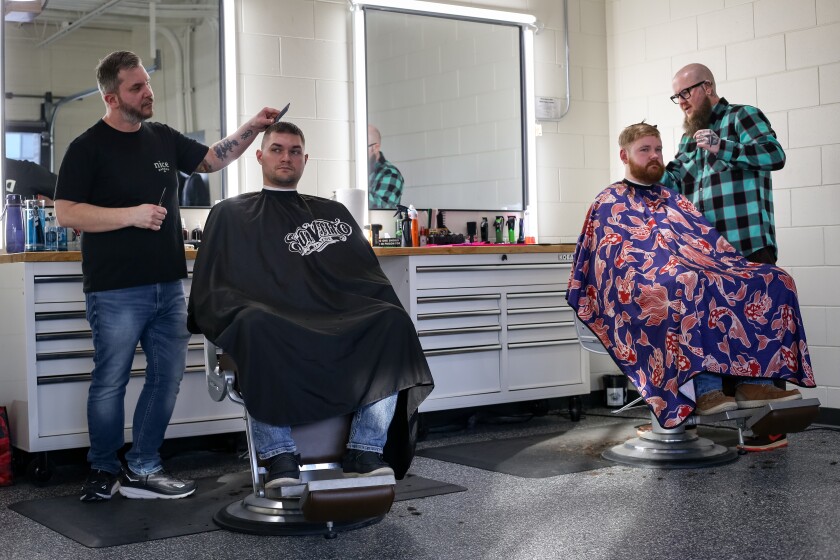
point(780, 55)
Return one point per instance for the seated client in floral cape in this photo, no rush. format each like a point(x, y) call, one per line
point(669, 297)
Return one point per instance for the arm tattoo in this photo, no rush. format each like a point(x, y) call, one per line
point(223, 147)
point(247, 134)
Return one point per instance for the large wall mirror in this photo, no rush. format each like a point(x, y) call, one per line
point(450, 90)
point(49, 58)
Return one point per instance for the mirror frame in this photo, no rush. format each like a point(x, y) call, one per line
point(528, 26)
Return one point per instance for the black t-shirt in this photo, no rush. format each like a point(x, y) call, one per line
point(29, 179)
point(113, 169)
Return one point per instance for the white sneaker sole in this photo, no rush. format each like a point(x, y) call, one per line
point(381, 471)
point(140, 494)
point(762, 402)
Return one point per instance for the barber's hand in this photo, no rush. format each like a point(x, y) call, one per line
point(264, 118)
point(148, 216)
point(707, 140)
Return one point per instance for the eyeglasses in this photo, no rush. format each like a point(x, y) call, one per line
point(686, 93)
point(372, 145)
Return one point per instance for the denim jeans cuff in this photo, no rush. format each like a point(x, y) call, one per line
point(360, 447)
point(275, 452)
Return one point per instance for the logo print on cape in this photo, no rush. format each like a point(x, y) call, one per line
point(313, 237)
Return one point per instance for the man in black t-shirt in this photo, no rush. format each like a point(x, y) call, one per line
point(118, 183)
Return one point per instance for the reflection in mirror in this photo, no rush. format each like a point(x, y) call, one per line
point(445, 95)
point(49, 63)
point(444, 86)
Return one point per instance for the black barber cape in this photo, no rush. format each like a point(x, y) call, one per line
point(289, 287)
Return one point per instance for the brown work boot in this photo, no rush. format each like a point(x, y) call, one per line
point(751, 395)
point(714, 402)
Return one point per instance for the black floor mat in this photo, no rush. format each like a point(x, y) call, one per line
point(554, 454)
point(121, 521)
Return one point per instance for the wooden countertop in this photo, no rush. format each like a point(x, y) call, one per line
point(57, 256)
point(473, 249)
point(75, 256)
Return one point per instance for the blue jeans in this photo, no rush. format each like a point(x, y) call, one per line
point(155, 315)
point(708, 382)
point(368, 431)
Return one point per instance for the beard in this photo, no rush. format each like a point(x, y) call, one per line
point(699, 120)
point(648, 174)
point(136, 115)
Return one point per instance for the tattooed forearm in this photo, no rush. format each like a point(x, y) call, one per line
point(247, 134)
point(205, 167)
point(223, 147)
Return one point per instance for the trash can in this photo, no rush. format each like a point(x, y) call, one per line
point(616, 390)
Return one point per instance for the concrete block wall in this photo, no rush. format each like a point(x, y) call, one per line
point(782, 56)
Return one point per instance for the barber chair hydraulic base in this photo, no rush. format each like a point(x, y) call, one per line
point(659, 448)
point(676, 448)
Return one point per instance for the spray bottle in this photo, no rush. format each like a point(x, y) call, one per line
point(415, 226)
point(403, 225)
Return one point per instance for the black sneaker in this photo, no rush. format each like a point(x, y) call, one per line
point(284, 470)
point(160, 484)
point(99, 486)
point(364, 463)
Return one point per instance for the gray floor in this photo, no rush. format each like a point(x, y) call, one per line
point(780, 504)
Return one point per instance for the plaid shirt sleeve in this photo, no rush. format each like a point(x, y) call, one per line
point(733, 188)
point(385, 185)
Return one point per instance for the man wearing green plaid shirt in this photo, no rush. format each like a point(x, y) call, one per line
point(723, 166)
point(385, 182)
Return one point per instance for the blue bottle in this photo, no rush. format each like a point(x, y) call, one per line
point(34, 217)
point(15, 236)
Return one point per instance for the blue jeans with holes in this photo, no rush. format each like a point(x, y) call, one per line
point(708, 382)
point(368, 431)
point(155, 315)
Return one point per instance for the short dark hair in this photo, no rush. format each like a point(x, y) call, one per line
point(284, 127)
point(108, 69)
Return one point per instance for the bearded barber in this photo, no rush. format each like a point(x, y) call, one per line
point(723, 166)
point(118, 184)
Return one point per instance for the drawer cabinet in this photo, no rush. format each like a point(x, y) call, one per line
point(47, 350)
point(494, 327)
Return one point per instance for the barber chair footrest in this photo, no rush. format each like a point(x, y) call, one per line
point(347, 499)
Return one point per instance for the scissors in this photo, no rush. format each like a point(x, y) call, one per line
point(282, 112)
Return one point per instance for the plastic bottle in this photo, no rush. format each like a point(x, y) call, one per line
point(415, 226)
point(184, 231)
point(15, 237)
point(196, 233)
point(50, 234)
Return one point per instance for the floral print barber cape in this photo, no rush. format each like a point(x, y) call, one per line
point(669, 298)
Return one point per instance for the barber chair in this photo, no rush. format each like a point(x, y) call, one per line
point(325, 502)
point(681, 448)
